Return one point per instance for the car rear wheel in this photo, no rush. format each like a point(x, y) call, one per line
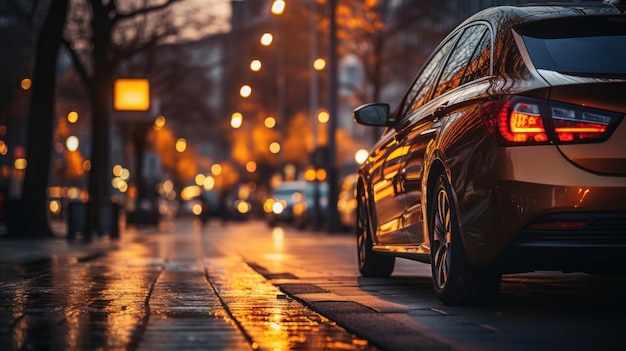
point(371, 263)
point(455, 280)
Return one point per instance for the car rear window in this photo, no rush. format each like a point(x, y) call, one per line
point(580, 45)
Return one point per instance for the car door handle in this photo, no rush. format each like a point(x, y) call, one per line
point(440, 110)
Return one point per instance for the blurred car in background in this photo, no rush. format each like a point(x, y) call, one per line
point(306, 213)
point(278, 207)
point(346, 202)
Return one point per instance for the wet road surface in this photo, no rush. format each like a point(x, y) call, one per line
point(247, 286)
point(162, 291)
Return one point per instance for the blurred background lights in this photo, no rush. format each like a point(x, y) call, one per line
point(181, 145)
point(216, 169)
point(72, 117)
point(117, 170)
point(159, 122)
point(251, 166)
point(209, 183)
point(72, 143)
point(26, 83)
point(266, 39)
point(199, 179)
point(274, 147)
point(319, 64)
point(323, 117)
point(360, 156)
point(270, 122)
point(236, 120)
point(20, 164)
point(255, 65)
point(278, 7)
point(245, 91)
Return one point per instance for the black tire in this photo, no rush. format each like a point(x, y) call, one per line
point(371, 263)
point(455, 280)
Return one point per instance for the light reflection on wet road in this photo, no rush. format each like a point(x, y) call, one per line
point(165, 291)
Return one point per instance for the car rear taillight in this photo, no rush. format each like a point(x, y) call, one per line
point(529, 121)
point(571, 124)
point(520, 122)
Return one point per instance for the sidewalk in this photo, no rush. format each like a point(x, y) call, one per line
point(149, 290)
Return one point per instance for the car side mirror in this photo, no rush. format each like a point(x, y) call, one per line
point(376, 114)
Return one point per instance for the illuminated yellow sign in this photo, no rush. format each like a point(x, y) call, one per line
point(131, 94)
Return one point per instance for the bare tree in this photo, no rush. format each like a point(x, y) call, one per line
point(100, 36)
point(40, 122)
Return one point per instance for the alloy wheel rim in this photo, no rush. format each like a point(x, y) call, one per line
point(442, 234)
point(362, 232)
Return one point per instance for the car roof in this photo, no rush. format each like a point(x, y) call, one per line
point(531, 12)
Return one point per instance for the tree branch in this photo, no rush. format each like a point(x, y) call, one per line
point(78, 64)
point(143, 11)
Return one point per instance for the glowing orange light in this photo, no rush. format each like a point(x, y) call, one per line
point(131, 94)
point(266, 39)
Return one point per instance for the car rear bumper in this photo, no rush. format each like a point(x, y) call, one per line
point(497, 212)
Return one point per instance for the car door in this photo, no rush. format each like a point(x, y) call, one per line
point(389, 157)
point(428, 119)
point(388, 203)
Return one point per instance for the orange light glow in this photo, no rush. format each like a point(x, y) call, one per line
point(159, 122)
point(274, 147)
point(270, 122)
point(72, 117)
point(319, 64)
point(323, 117)
point(251, 166)
point(131, 95)
point(26, 83)
point(267, 39)
point(255, 65)
point(245, 91)
point(181, 145)
point(278, 7)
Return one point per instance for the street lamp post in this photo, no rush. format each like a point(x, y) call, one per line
point(333, 217)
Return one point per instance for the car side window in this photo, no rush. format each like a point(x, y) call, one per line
point(422, 87)
point(480, 64)
point(466, 46)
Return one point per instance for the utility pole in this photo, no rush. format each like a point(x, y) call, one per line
point(333, 217)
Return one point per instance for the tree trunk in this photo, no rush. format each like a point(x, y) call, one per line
point(32, 214)
point(101, 94)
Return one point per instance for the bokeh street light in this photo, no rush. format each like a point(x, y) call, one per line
point(181, 145)
point(319, 64)
point(360, 156)
point(278, 7)
point(274, 147)
point(255, 65)
point(245, 91)
point(236, 120)
point(270, 122)
point(72, 117)
point(71, 143)
point(267, 39)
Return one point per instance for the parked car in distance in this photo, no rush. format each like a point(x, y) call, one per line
point(506, 155)
point(278, 207)
point(304, 211)
point(346, 202)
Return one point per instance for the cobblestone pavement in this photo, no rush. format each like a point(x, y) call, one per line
point(149, 291)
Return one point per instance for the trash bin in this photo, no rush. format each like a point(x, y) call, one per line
point(108, 215)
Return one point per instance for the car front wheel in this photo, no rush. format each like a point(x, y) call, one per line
point(455, 280)
point(371, 263)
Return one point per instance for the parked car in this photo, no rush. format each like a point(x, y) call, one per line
point(346, 202)
point(279, 206)
point(506, 155)
point(304, 211)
